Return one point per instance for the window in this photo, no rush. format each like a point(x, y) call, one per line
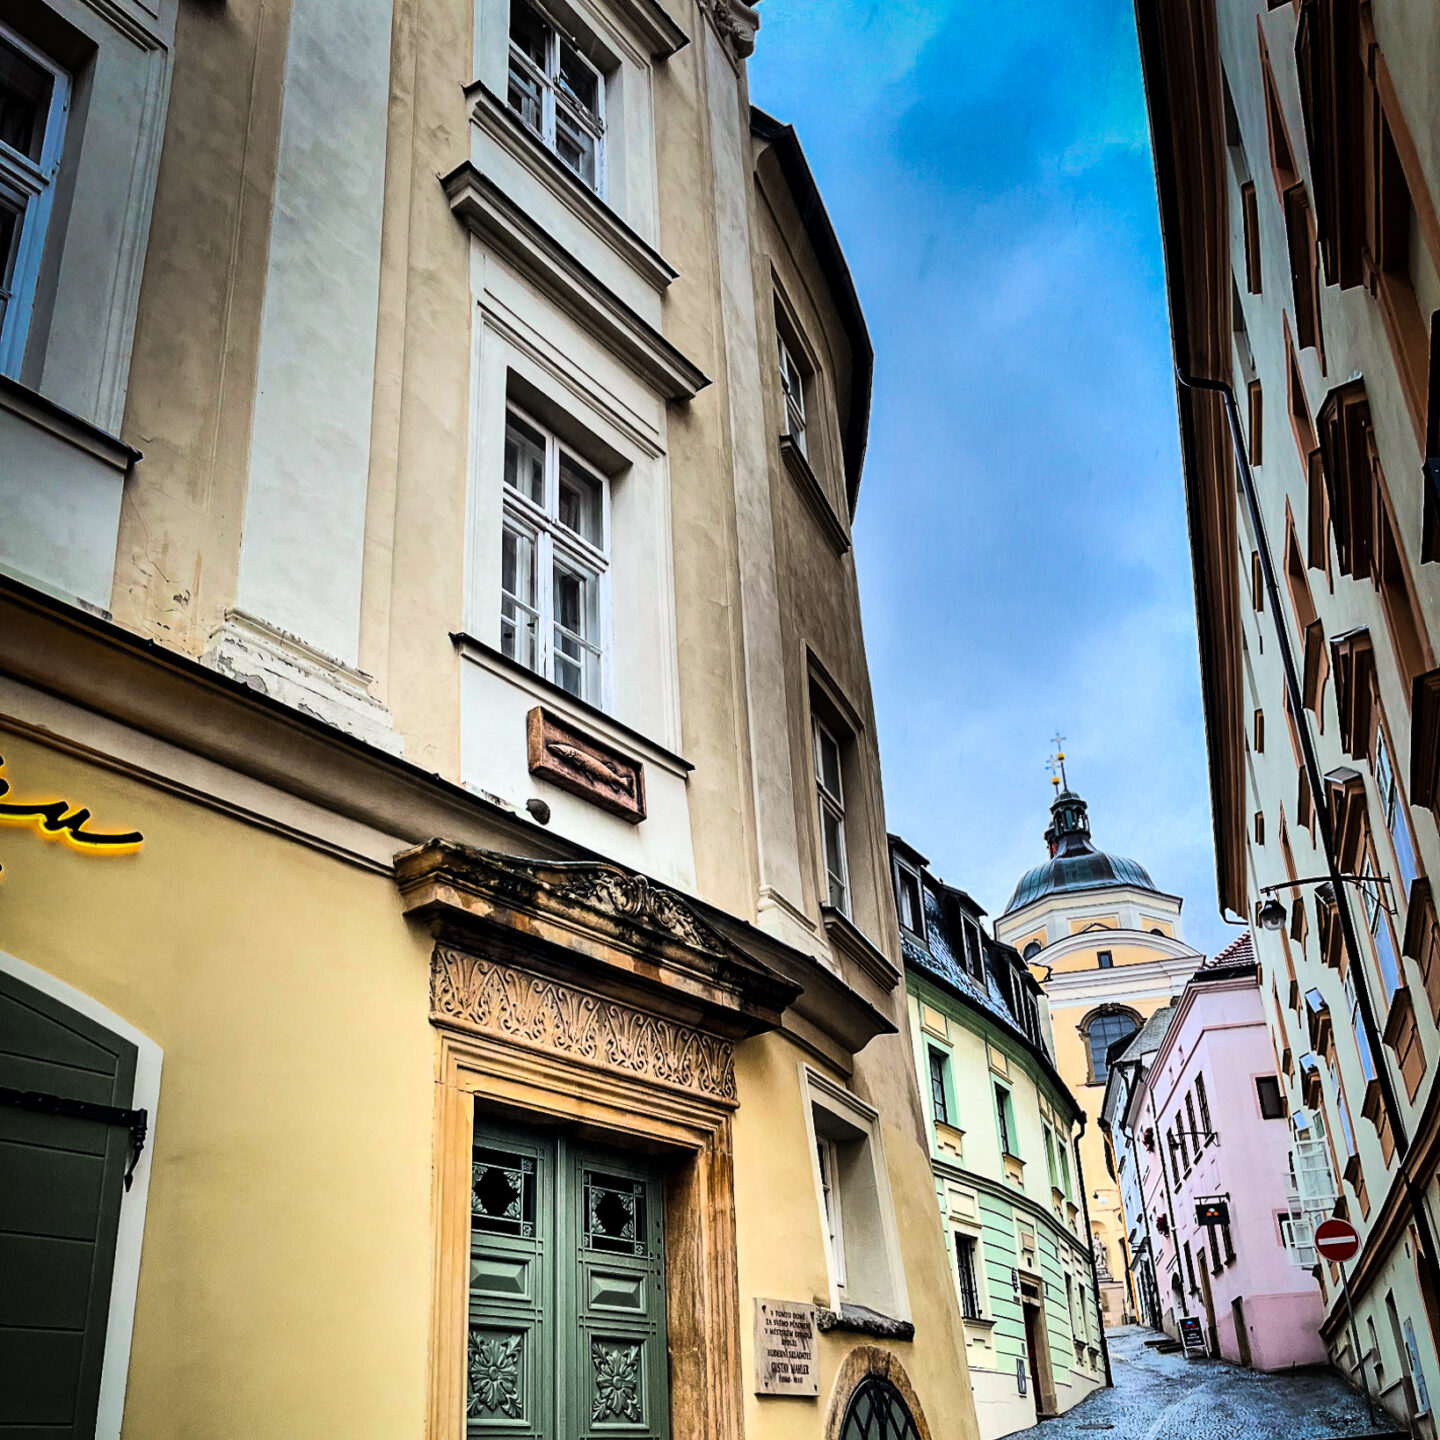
point(792, 385)
point(1190, 1267)
point(856, 1213)
point(908, 899)
point(1392, 806)
point(1181, 1143)
point(1195, 1139)
point(827, 1155)
point(1271, 1097)
point(1032, 950)
point(557, 93)
point(1362, 1043)
point(876, 1410)
point(1377, 921)
point(1202, 1099)
point(1005, 1117)
point(1050, 1169)
point(940, 1085)
point(974, 947)
point(830, 788)
point(1102, 1032)
point(1106, 960)
point(965, 1273)
point(554, 569)
point(34, 97)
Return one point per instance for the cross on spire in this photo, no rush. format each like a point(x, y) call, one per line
point(1056, 763)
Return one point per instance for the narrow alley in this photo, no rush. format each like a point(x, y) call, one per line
point(1156, 1397)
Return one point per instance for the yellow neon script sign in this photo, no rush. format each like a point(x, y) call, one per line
point(57, 820)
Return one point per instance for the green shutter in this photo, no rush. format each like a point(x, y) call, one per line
point(61, 1184)
point(567, 1290)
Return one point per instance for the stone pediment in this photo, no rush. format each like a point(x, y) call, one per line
point(623, 930)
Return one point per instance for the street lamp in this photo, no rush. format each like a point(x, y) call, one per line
point(1273, 914)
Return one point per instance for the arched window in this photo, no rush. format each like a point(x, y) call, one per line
point(1032, 950)
point(1101, 1032)
point(877, 1411)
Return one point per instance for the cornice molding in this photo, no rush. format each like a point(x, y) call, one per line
point(644, 937)
point(510, 231)
point(847, 937)
point(498, 121)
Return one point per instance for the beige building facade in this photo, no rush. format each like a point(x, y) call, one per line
point(445, 887)
point(1298, 159)
point(1108, 949)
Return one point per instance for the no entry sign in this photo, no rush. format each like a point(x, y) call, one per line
point(1337, 1240)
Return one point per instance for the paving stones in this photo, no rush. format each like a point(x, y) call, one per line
point(1158, 1396)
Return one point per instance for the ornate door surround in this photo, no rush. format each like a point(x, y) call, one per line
point(587, 996)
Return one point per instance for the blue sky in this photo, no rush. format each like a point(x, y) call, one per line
point(1021, 531)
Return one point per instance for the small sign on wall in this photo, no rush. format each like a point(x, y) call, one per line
point(785, 1349)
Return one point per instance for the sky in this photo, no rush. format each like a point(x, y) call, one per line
point(1020, 537)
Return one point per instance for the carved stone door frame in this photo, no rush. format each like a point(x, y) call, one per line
point(585, 995)
point(702, 1298)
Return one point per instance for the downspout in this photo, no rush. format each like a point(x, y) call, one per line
point(1321, 803)
point(1090, 1246)
point(1156, 76)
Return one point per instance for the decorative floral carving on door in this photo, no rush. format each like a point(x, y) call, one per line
point(617, 1382)
point(494, 1376)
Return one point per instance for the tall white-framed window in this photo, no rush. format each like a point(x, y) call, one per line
point(827, 1154)
point(557, 93)
point(34, 99)
point(830, 788)
point(554, 561)
point(792, 385)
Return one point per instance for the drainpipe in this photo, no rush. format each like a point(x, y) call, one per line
point(1321, 803)
point(1090, 1246)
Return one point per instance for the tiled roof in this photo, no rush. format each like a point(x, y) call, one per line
point(1240, 951)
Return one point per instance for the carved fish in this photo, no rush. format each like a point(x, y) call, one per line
point(593, 768)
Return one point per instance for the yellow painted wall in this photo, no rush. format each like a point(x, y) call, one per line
point(285, 1279)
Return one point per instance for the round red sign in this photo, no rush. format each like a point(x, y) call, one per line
point(1337, 1240)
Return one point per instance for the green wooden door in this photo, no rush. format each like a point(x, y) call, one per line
point(60, 1193)
point(567, 1291)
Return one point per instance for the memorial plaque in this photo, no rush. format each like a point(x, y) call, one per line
point(785, 1349)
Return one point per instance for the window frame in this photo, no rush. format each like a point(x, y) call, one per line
point(904, 873)
point(554, 96)
point(541, 524)
point(32, 183)
point(972, 1293)
point(937, 1064)
point(1283, 1109)
point(834, 806)
point(827, 1158)
point(1005, 1123)
point(792, 393)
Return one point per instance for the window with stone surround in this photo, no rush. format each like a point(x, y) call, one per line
point(556, 92)
point(554, 571)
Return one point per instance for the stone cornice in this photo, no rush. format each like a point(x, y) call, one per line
point(631, 935)
point(516, 235)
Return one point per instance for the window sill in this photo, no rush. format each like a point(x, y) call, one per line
point(847, 937)
point(496, 119)
point(979, 1322)
point(860, 1320)
point(47, 415)
point(814, 495)
point(547, 692)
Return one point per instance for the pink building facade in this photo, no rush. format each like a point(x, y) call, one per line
point(1212, 1124)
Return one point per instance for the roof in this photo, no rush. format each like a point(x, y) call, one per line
point(1239, 952)
point(796, 170)
point(1095, 871)
point(1075, 863)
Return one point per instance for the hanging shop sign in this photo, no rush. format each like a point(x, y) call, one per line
point(59, 819)
point(1213, 1210)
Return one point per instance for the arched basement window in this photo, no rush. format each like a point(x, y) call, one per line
point(877, 1411)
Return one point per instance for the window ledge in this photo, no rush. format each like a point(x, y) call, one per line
point(511, 232)
point(814, 495)
point(32, 406)
point(563, 702)
point(979, 1322)
point(498, 121)
point(860, 1320)
point(850, 941)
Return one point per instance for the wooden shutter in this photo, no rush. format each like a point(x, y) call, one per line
point(61, 1186)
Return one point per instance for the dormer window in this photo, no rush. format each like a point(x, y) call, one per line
point(908, 901)
point(557, 93)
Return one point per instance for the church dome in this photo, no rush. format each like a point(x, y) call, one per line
point(1075, 863)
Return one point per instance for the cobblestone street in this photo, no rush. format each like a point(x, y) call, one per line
point(1159, 1396)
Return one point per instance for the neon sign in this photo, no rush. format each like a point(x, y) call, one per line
point(59, 820)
